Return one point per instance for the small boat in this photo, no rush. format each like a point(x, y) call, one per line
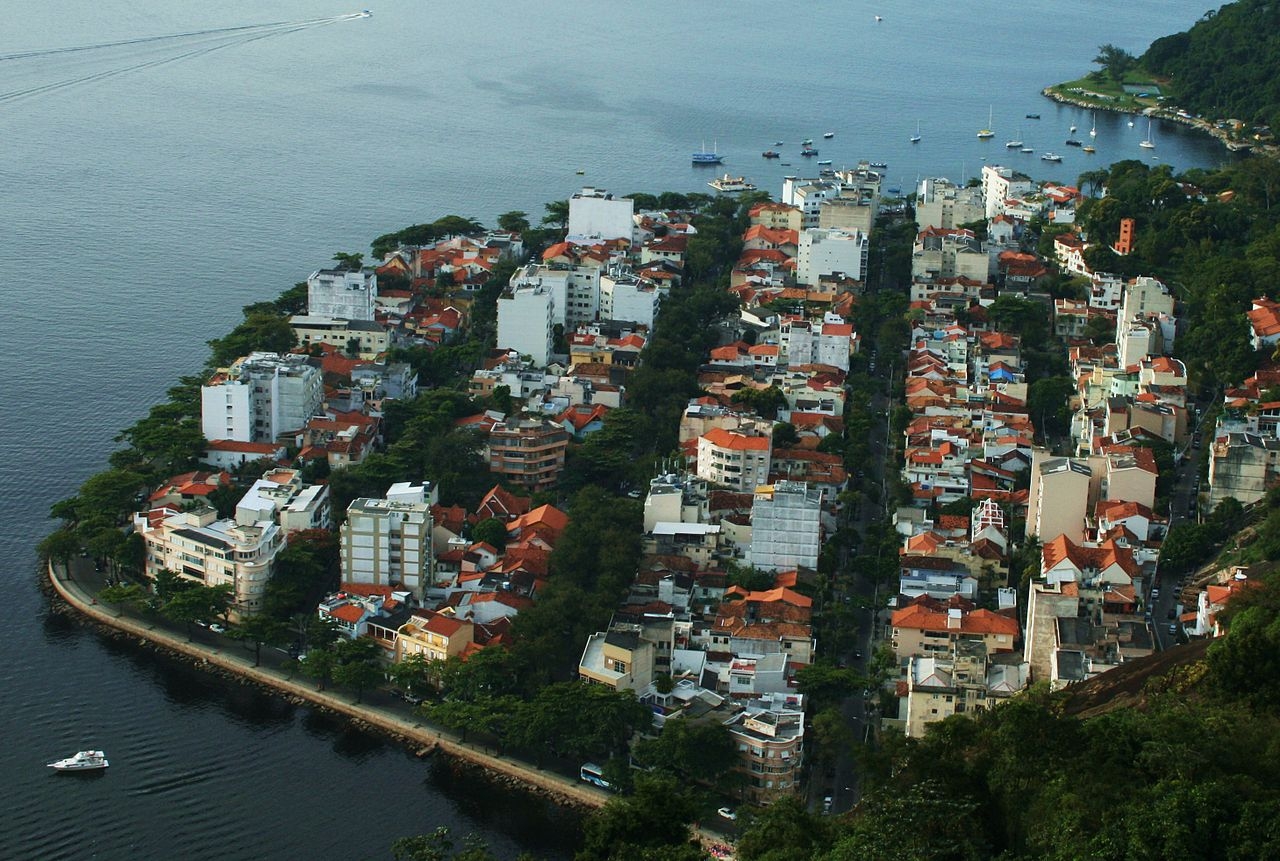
point(731, 184)
point(1130, 123)
point(1051, 157)
point(1093, 127)
point(825, 161)
point(807, 142)
point(878, 165)
point(878, 18)
point(1073, 129)
point(1073, 142)
point(785, 163)
point(1014, 144)
point(707, 156)
point(894, 190)
point(986, 133)
point(580, 172)
point(1088, 149)
point(1027, 149)
point(85, 760)
point(915, 138)
point(808, 151)
point(1033, 116)
point(828, 135)
point(1147, 142)
point(778, 143)
point(771, 153)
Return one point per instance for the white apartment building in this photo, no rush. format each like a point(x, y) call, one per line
point(942, 204)
point(388, 541)
point(827, 252)
point(197, 546)
point(805, 342)
point(576, 289)
point(1000, 184)
point(596, 215)
point(260, 397)
point(785, 529)
point(526, 321)
point(734, 460)
point(342, 294)
point(953, 253)
point(807, 195)
point(281, 497)
point(626, 297)
point(1145, 296)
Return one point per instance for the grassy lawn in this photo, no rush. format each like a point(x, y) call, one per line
point(1105, 92)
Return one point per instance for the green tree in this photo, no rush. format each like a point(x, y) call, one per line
point(693, 751)
point(260, 630)
point(1116, 62)
point(557, 214)
point(348, 261)
point(514, 221)
point(656, 818)
point(124, 595)
point(358, 664)
point(826, 684)
point(491, 531)
point(59, 546)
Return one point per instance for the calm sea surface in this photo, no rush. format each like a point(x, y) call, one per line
point(149, 190)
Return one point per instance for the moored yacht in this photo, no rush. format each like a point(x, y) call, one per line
point(85, 760)
point(732, 183)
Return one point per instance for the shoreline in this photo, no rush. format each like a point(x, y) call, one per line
point(417, 737)
point(1201, 125)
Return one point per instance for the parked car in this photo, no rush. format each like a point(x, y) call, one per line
point(728, 813)
point(217, 629)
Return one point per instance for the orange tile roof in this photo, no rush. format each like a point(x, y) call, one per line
point(722, 438)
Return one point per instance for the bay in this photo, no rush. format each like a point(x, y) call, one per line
point(149, 190)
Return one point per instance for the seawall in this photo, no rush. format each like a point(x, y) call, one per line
point(415, 735)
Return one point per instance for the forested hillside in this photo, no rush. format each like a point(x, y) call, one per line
point(1227, 65)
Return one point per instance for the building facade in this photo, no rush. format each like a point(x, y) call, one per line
point(260, 397)
point(342, 294)
point(785, 529)
point(387, 542)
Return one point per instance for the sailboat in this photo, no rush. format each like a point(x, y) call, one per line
point(987, 133)
point(1016, 143)
point(915, 138)
point(1093, 126)
point(1148, 143)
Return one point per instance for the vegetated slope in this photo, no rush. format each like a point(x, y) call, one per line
point(1131, 685)
point(1227, 65)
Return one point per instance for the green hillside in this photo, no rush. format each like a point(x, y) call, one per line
point(1227, 65)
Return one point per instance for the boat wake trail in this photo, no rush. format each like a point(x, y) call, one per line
point(199, 43)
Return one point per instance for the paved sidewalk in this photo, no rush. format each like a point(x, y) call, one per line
point(564, 790)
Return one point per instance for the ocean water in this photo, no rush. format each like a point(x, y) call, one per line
point(149, 189)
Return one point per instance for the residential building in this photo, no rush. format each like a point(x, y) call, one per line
point(1058, 499)
point(929, 627)
point(627, 297)
point(943, 204)
point(769, 734)
point(620, 659)
point(526, 321)
point(596, 215)
point(282, 497)
point(733, 459)
point(828, 252)
point(342, 294)
point(364, 339)
point(576, 289)
point(199, 547)
point(435, 636)
point(963, 682)
point(528, 452)
point(1000, 184)
point(387, 541)
point(260, 397)
point(785, 526)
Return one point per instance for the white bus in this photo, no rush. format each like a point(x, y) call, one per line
point(592, 773)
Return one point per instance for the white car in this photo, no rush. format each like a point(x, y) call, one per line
point(217, 629)
point(728, 812)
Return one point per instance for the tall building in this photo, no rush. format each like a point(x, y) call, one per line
point(785, 529)
point(1058, 499)
point(942, 204)
point(576, 289)
point(1000, 184)
point(260, 397)
point(388, 541)
point(734, 460)
point(199, 547)
point(342, 294)
point(528, 452)
point(828, 252)
point(596, 215)
point(626, 297)
point(526, 321)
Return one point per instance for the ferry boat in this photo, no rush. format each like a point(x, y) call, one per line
point(731, 184)
point(85, 760)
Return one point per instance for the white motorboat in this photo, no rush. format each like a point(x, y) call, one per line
point(85, 760)
point(731, 184)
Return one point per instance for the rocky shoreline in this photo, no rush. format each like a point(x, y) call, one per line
point(1201, 125)
point(422, 741)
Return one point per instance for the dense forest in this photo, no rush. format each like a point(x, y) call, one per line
point(1227, 65)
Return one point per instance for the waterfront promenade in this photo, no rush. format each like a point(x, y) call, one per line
point(415, 733)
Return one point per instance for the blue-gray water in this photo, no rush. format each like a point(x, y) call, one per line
point(141, 210)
